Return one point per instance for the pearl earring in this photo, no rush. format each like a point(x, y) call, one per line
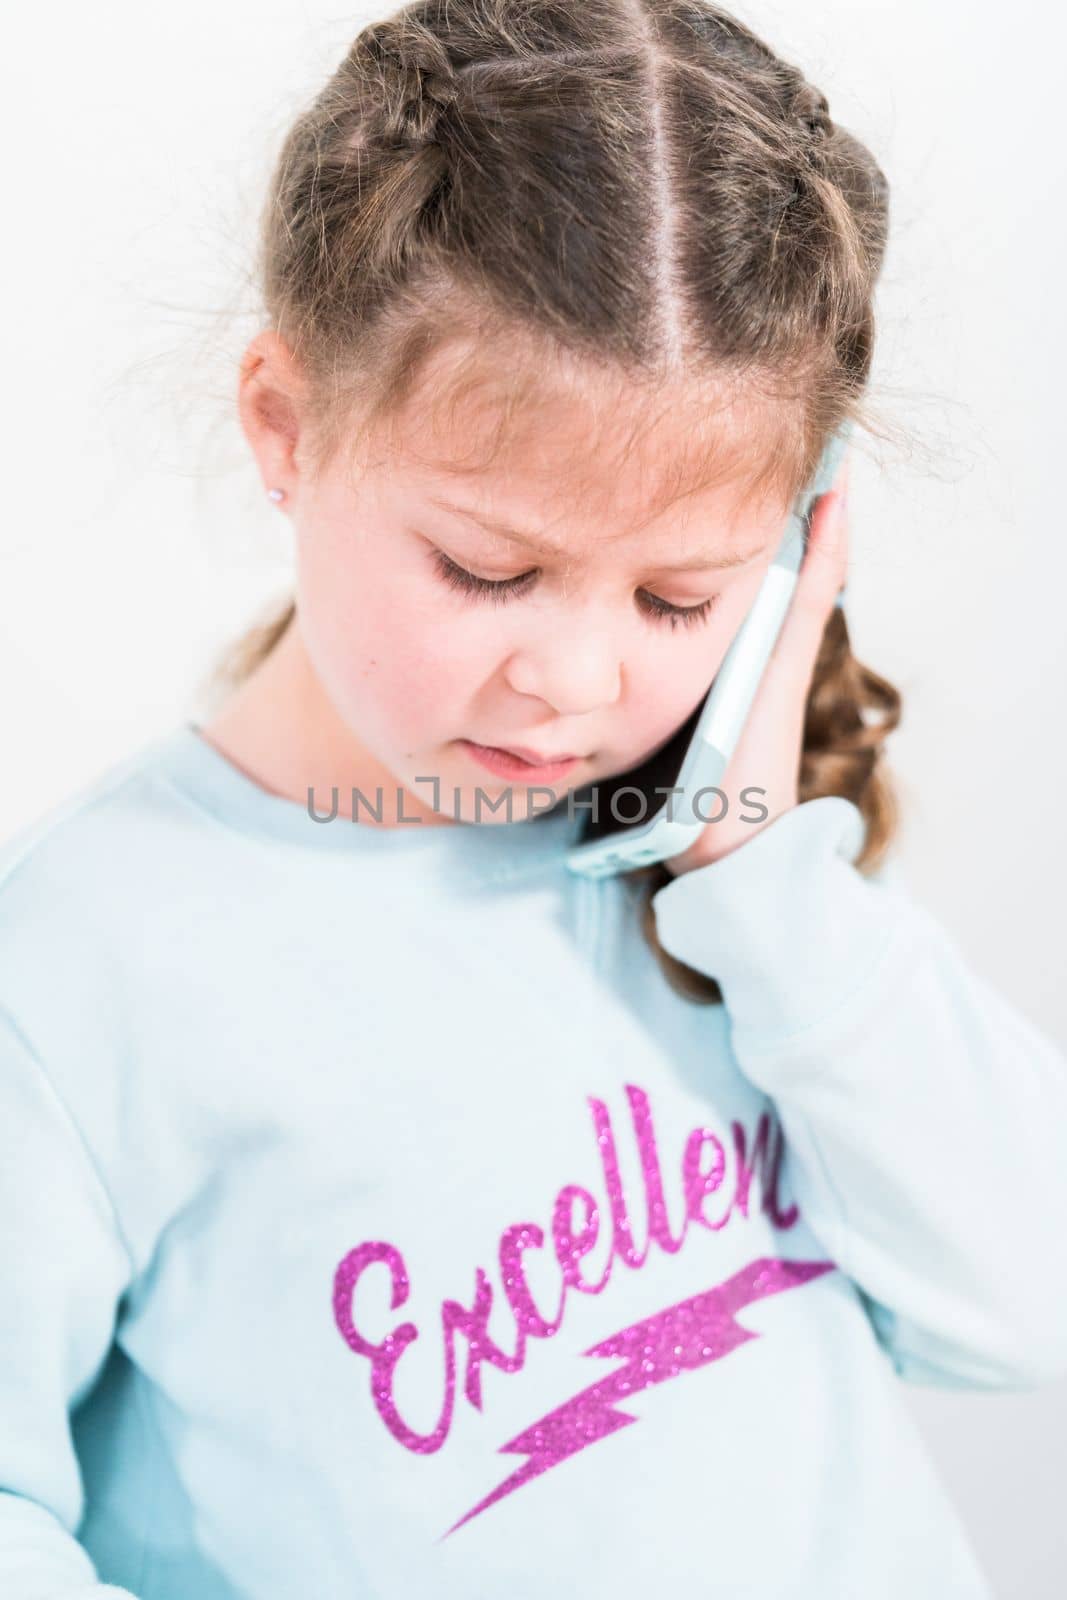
point(277, 495)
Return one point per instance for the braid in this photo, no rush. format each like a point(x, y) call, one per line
point(416, 79)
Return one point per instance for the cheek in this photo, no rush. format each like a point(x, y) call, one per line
point(386, 644)
point(674, 677)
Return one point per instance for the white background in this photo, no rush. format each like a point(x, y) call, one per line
point(135, 540)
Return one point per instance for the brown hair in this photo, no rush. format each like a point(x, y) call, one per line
point(645, 187)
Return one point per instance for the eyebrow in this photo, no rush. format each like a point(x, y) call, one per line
point(700, 562)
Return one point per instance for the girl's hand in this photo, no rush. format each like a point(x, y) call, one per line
point(769, 750)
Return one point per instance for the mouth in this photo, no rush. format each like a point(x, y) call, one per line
point(512, 762)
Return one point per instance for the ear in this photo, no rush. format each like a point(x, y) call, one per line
point(269, 393)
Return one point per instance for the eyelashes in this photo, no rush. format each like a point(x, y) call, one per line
point(688, 616)
point(499, 593)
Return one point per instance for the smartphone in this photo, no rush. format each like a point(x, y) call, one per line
point(697, 755)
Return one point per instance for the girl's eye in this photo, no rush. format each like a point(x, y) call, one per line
point(689, 616)
point(500, 592)
point(466, 582)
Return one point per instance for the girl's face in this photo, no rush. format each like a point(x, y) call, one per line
point(549, 603)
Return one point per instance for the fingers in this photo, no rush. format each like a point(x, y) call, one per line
point(825, 569)
point(822, 577)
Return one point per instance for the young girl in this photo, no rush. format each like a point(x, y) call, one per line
point(386, 1210)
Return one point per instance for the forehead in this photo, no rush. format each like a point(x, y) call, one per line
point(562, 449)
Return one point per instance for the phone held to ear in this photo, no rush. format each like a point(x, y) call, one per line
point(695, 759)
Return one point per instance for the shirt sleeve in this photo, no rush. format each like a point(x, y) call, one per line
point(63, 1268)
point(924, 1116)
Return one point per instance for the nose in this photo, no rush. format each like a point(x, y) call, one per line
point(574, 670)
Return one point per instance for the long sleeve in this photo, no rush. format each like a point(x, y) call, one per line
point(925, 1117)
point(63, 1267)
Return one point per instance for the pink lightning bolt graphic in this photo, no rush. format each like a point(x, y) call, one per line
point(682, 1338)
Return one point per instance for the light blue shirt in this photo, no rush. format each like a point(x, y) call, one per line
point(378, 1223)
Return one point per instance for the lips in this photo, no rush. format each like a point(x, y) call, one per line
point(533, 757)
point(514, 762)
